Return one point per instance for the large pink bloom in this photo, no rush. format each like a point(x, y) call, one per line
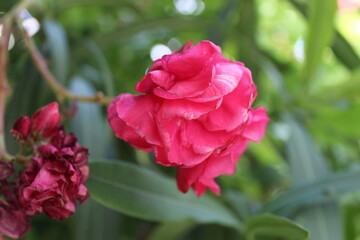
point(195, 114)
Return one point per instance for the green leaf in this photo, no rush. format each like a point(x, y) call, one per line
point(306, 161)
point(345, 52)
point(270, 225)
point(172, 230)
point(104, 69)
point(142, 193)
point(351, 214)
point(320, 32)
point(320, 190)
point(323, 221)
point(308, 165)
point(59, 50)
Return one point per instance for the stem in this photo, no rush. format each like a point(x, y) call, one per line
point(5, 90)
point(4, 87)
point(60, 90)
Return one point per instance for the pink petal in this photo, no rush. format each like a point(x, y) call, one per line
point(145, 85)
point(187, 87)
point(188, 63)
point(201, 176)
point(125, 132)
point(255, 128)
point(225, 78)
point(234, 108)
point(132, 119)
point(186, 109)
point(176, 152)
point(201, 140)
point(162, 78)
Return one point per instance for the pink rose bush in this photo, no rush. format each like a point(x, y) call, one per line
point(195, 113)
point(54, 180)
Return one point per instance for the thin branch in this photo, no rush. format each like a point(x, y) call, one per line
point(4, 86)
point(60, 90)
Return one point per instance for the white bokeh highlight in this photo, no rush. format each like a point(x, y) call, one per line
point(189, 7)
point(31, 25)
point(159, 50)
point(299, 50)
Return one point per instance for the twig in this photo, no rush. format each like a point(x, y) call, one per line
point(41, 64)
point(4, 87)
point(6, 22)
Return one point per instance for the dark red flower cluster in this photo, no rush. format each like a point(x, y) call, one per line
point(53, 182)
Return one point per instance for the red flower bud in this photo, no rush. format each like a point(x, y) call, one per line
point(45, 120)
point(21, 128)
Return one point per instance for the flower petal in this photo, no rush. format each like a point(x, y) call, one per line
point(201, 176)
point(186, 109)
point(190, 62)
point(234, 108)
point(176, 152)
point(225, 78)
point(255, 128)
point(132, 119)
point(123, 131)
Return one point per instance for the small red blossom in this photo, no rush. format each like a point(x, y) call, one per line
point(54, 183)
point(196, 114)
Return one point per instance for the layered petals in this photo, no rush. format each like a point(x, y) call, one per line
point(54, 182)
point(201, 176)
point(132, 119)
point(196, 114)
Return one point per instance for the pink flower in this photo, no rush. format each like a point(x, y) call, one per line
point(54, 183)
point(196, 114)
point(45, 120)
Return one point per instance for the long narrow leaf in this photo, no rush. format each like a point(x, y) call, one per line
point(322, 190)
point(142, 193)
point(270, 225)
point(320, 31)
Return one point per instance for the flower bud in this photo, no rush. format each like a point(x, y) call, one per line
point(45, 120)
point(21, 128)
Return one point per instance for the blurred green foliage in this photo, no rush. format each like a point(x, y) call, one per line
point(304, 56)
